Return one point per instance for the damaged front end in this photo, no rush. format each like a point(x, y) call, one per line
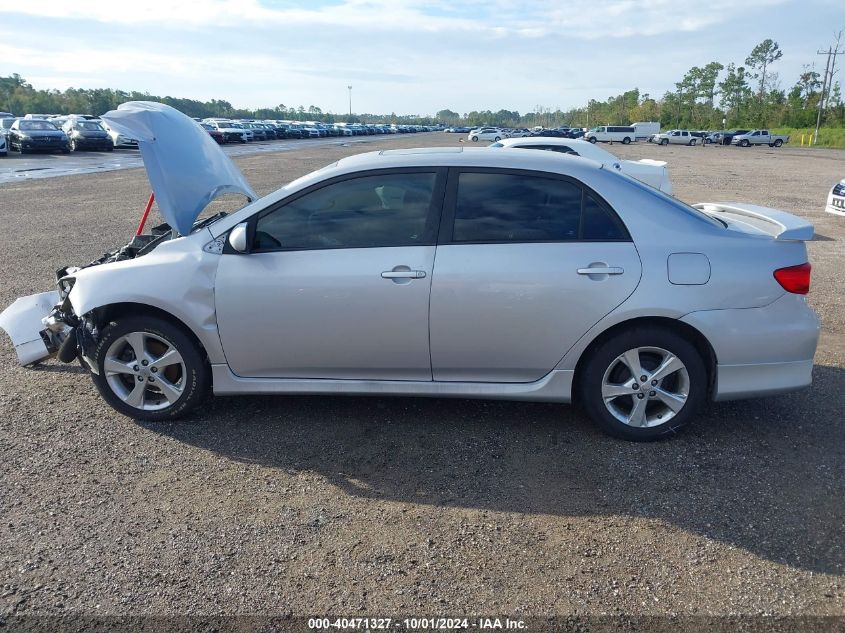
point(187, 170)
point(62, 333)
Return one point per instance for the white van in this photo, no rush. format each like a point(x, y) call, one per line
point(644, 129)
point(612, 133)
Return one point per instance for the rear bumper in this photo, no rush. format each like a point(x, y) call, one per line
point(734, 382)
point(760, 351)
point(835, 205)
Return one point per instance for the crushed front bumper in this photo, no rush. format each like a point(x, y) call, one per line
point(23, 321)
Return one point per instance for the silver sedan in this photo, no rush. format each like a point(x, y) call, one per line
point(474, 274)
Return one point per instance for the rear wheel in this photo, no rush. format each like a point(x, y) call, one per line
point(626, 140)
point(72, 146)
point(693, 141)
point(150, 369)
point(778, 143)
point(497, 139)
point(643, 384)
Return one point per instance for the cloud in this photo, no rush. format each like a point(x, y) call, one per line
point(407, 56)
point(581, 19)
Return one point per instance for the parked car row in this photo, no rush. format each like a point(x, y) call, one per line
point(245, 131)
point(63, 133)
point(490, 133)
point(73, 132)
point(741, 138)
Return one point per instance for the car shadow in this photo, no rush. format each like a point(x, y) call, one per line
point(764, 475)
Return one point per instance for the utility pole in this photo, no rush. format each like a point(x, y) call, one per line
point(350, 99)
point(827, 83)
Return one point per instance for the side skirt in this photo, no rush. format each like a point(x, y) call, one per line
point(556, 386)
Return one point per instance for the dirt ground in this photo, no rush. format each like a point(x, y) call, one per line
point(397, 506)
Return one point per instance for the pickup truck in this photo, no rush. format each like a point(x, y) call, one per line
point(759, 137)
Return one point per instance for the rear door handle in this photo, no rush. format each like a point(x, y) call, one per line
point(403, 274)
point(601, 270)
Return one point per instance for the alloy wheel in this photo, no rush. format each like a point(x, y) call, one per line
point(645, 387)
point(145, 371)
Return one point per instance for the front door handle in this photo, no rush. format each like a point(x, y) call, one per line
point(403, 274)
point(601, 270)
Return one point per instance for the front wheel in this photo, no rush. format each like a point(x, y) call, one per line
point(497, 139)
point(746, 143)
point(644, 383)
point(664, 141)
point(72, 147)
point(474, 139)
point(150, 369)
point(626, 141)
point(593, 140)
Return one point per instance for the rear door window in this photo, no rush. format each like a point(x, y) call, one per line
point(508, 207)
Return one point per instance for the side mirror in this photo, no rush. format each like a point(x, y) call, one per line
point(238, 237)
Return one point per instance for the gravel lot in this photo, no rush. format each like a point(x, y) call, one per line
point(376, 506)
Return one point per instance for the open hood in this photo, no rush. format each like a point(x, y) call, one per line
point(186, 167)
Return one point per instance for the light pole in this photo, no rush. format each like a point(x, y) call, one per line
point(350, 100)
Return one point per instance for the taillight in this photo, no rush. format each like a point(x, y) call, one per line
point(795, 278)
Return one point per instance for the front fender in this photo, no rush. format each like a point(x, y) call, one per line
point(177, 278)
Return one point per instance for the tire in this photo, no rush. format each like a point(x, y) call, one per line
point(187, 378)
point(593, 140)
point(474, 139)
point(778, 143)
point(693, 142)
point(607, 368)
point(626, 141)
point(745, 143)
point(110, 149)
point(72, 146)
point(664, 141)
point(497, 139)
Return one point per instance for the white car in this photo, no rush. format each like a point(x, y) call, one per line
point(836, 199)
point(675, 137)
point(232, 132)
point(651, 172)
point(487, 134)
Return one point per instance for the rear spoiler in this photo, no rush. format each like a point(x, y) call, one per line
point(781, 225)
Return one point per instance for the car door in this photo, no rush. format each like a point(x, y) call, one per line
point(513, 288)
point(336, 282)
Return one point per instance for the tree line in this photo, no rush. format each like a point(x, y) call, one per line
point(712, 96)
point(19, 97)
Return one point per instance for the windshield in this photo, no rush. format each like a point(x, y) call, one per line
point(89, 126)
point(37, 125)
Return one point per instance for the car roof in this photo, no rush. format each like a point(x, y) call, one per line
point(466, 157)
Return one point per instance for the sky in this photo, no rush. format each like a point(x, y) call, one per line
point(402, 56)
